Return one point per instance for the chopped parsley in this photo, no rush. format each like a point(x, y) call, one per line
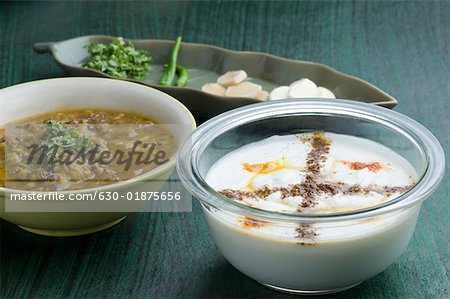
point(119, 59)
point(61, 137)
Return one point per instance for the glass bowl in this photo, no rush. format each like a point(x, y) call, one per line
point(353, 246)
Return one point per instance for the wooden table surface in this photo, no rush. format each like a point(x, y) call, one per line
point(402, 47)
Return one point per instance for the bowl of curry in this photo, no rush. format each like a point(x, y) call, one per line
point(78, 136)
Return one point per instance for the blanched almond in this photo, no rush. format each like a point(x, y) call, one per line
point(262, 95)
point(214, 88)
point(323, 92)
point(279, 93)
point(232, 78)
point(303, 88)
point(245, 89)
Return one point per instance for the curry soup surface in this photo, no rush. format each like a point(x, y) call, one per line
point(80, 132)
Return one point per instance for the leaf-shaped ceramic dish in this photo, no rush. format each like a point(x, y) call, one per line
point(205, 63)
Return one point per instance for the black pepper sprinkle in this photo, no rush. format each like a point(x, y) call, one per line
point(313, 185)
point(305, 231)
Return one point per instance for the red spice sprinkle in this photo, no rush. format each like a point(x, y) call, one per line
point(249, 222)
point(266, 167)
point(374, 166)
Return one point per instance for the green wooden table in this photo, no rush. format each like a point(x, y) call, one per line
point(402, 47)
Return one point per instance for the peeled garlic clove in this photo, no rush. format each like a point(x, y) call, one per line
point(214, 88)
point(303, 88)
point(232, 78)
point(279, 93)
point(262, 95)
point(244, 89)
point(323, 92)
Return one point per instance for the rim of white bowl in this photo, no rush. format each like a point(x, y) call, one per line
point(152, 173)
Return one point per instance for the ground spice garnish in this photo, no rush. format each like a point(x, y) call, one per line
point(261, 167)
point(237, 194)
point(373, 167)
point(306, 244)
point(317, 155)
point(305, 231)
point(312, 186)
point(249, 222)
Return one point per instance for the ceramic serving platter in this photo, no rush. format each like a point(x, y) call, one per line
point(205, 63)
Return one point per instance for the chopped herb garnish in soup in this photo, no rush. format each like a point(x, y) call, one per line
point(64, 137)
point(77, 149)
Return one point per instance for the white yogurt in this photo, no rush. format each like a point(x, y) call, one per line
point(316, 256)
point(280, 161)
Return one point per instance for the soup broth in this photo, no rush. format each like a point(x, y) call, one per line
point(86, 133)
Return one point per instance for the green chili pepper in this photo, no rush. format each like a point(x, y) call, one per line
point(183, 76)
point(169, 73)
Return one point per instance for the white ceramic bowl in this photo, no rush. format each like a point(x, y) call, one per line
point(41, 96)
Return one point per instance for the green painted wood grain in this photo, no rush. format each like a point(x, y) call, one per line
point(402, 47)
